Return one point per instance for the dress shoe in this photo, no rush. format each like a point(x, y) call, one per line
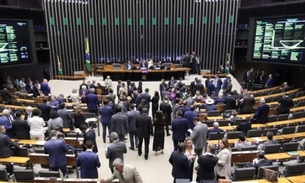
point(139, 154)
point(146, 157)
point(131, 148)
point(168, 134)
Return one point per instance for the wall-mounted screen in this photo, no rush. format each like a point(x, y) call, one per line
point(277, 40)
point(16, 42)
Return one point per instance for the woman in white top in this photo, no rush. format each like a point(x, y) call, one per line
point(190, 154)
point(22, 85)
point(75, 98)
point(36, 124)
point(223, 166)
point(108, 82)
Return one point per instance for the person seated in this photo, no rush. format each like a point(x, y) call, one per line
point(270, 141)
point(259, 161)
point(210, 105)
point(285, 87)
point(129, 65)
point(215, 128)
point(220, 100)
point(198, 97)
point(242, 142)
point(244, 126)
point(143, 64)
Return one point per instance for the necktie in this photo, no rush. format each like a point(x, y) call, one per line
point(10, 120)
point(122, 176)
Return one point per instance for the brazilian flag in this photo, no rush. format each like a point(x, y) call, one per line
point(228, 63)
point(88, 62)
point(59, 66)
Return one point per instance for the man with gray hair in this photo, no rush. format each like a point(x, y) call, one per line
point(115, 150)
point(261, 114)
point(6, 121)
point(124, 173)
point(92, 101)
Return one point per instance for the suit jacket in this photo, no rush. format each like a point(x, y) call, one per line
point(244, 127)
point(199, 87)
point(218, 83)
point(166, 111)
point(119, 123)
point(220, 101)
point(230, 103)
point(106, 112)
point(181, 165)
point(261, 114)
point(211, 107)
point(262, 162)
point(36, 91)
point(112, 97)
point(66, 117)
point(44, 87)
point(179, 128)
point(132, 115)
point(210, 87)
point(6, 96)
point(223, 167)
point(131, 175)
point(199, 135)
point(21, 129)
point(246, 106)
point(143, 64)
point(45, 111)
point(189, 115)
point(184, 109)
point(225, 84)
point(147, 97)
point(269, 142)
point(269, 83)
point(228, 88)
point(90, 135)
point(128, 66)
point(144, 126)
point(5, 143)
point(88, 162)
point(115, 150)
point(285, 104)
point(92, 102)
point(57, 153)
point(4, 121)
point(206, 164)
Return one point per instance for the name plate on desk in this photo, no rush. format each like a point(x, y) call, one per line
point(144, 71)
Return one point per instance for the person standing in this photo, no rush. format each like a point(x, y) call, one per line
point(144, 129)
point(6, 121)
point(88, 162)
point(65, 115)
point(133, 137)
point(36, 124)
point(115, 150)
point(155, 103)
point(179, 128)
point(88, 134)
point(285, 103)
point(20, 127)
point(44, 87)
point(45, 109)
point(57, 153)
point(119, 123)
point(223, 166)
point(92, 101)
point(158, 143)
point(166, 109)
point(106, 112)
point(199, 136)
point(6, 96)
point(190, 154)
point(206, 164)
point(181, 164)
point(261, 114)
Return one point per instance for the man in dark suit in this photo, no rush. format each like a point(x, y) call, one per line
point(230, 102)
point(179, 128)
point(166, 109)
point(88, 162)
point(199, 87)
point(83, 84)
point(45, 109)
point(215, 128)
point(88, 134)
point(269, 82)
point(44, 87)
point(228, 87)
point(250, 79)
point(57, 153)
point(206, 164)
point(246, 105)
point(181, 165)
point(119, 123)
point(54, 104)
point(217, 83)
point(189, 115)
point(143, 64)
point(132, 115)
point(106, 112)
point(219, 100)
point(115, 150)
point(144, 129)
point(65, 116)
point(192, 86)
point(184, 108)
point(199, 136)
point(5, 151)
point(259, 161)
point(147, 97)
point(244, 126)
point(36, 89)
point(285, 103)
point(210, 86)
point(261, 114)
point(129, 65)
point(92, 101)
point(6, 96)
point(20, 127)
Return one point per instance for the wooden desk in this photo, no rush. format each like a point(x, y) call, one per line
point(15, 107)
point(231, 141)
point(297, 179)
point(266, 89)
point(225, 128)
point(31, 142)
point(283, 156)
point(278, 94)
point(264, 138)
point(243, 156)
point(294, 99)
point(60, 180)
point(280, 180)
point(72, 141)
point(15, 160)
point(294, 135)
point(285, 122)
point(215, 117)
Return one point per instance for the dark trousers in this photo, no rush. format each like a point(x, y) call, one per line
point(10, 169)
point(198, 151)
point(63, 169)
point(146, 146)
point(219, 177)
point(175, 142)
point(105, 126)
point(133, 139)
point(122, 138)
point(167, 129)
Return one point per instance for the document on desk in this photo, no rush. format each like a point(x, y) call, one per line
point(257, 139)
point(90, 119)
point(293, 153)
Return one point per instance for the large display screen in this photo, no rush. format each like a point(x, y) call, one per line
point(279, 40)
point(15, 42)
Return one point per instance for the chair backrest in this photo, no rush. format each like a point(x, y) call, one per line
point(167, 65)
point(209, 123)
point(24, 175)
point(288, 130)
point(72, 134)
point(272, 148)
point(249, 148)
point(233, 135)
point(216, 136)
point(301, 103)
point(39, 150)
point(116, 66)
point(294, 169)
point(301, 128)
point(23, 152)
point(299, 94)
point(272, 118)
point(255, 133)
point(223, 122)
point(45, 173)
point(261, 170)
point(244, 173)
point(282, 117)
point(238, 121)
point(3, 174)
point(273, 130)
point(235, 149)
point(297, 115)
point(213, 113)
point(178, 65)
point(290, 146)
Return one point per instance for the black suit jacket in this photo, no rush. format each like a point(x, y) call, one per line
point(244, 127)
point(145, 96)
point(230, 103)
point(285, 104)
point(246, 106)
point(206, 167)
point(21, 129)
point(90, 135)
point(6, 96)
point(199, 87)
point(166, 111)
point(181, 165)
point(5, 143)
point(261, 114)
point(35, 91)
point(144, 126)
point(45, 111)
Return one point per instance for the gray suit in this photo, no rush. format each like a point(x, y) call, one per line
point(199, 137)
point(115, 150)
point(66, 117)
point(119, 124)
point(228, 89)
point(132, 115)
point(111, 97)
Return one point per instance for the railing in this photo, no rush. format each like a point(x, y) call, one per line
point(260, 3)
